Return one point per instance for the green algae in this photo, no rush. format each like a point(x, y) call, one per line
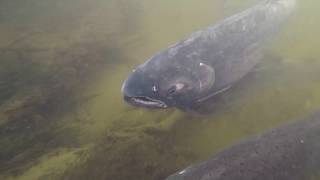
point(53, 164)
point(84, 130)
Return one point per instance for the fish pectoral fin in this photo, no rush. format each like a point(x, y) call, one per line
point(213, 94)
point(206, 77)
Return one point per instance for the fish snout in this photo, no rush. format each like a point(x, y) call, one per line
point(138, 91)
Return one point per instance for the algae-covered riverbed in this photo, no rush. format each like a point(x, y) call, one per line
point(62, 63)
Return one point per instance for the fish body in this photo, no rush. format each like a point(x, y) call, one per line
point(291, 152)
point(207, 62)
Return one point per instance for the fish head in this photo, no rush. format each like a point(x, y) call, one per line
point(163, 83)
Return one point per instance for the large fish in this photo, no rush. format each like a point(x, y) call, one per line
point(209, 61)
point(291, 152)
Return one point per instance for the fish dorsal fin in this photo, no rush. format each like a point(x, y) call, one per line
point(206, 77)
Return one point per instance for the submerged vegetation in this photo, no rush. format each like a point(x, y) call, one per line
point(62, 64)
point(43, 77)
point(35, 92)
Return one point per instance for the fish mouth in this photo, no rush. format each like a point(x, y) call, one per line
point(144, 101)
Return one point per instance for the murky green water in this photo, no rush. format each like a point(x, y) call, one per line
point(62, 63)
